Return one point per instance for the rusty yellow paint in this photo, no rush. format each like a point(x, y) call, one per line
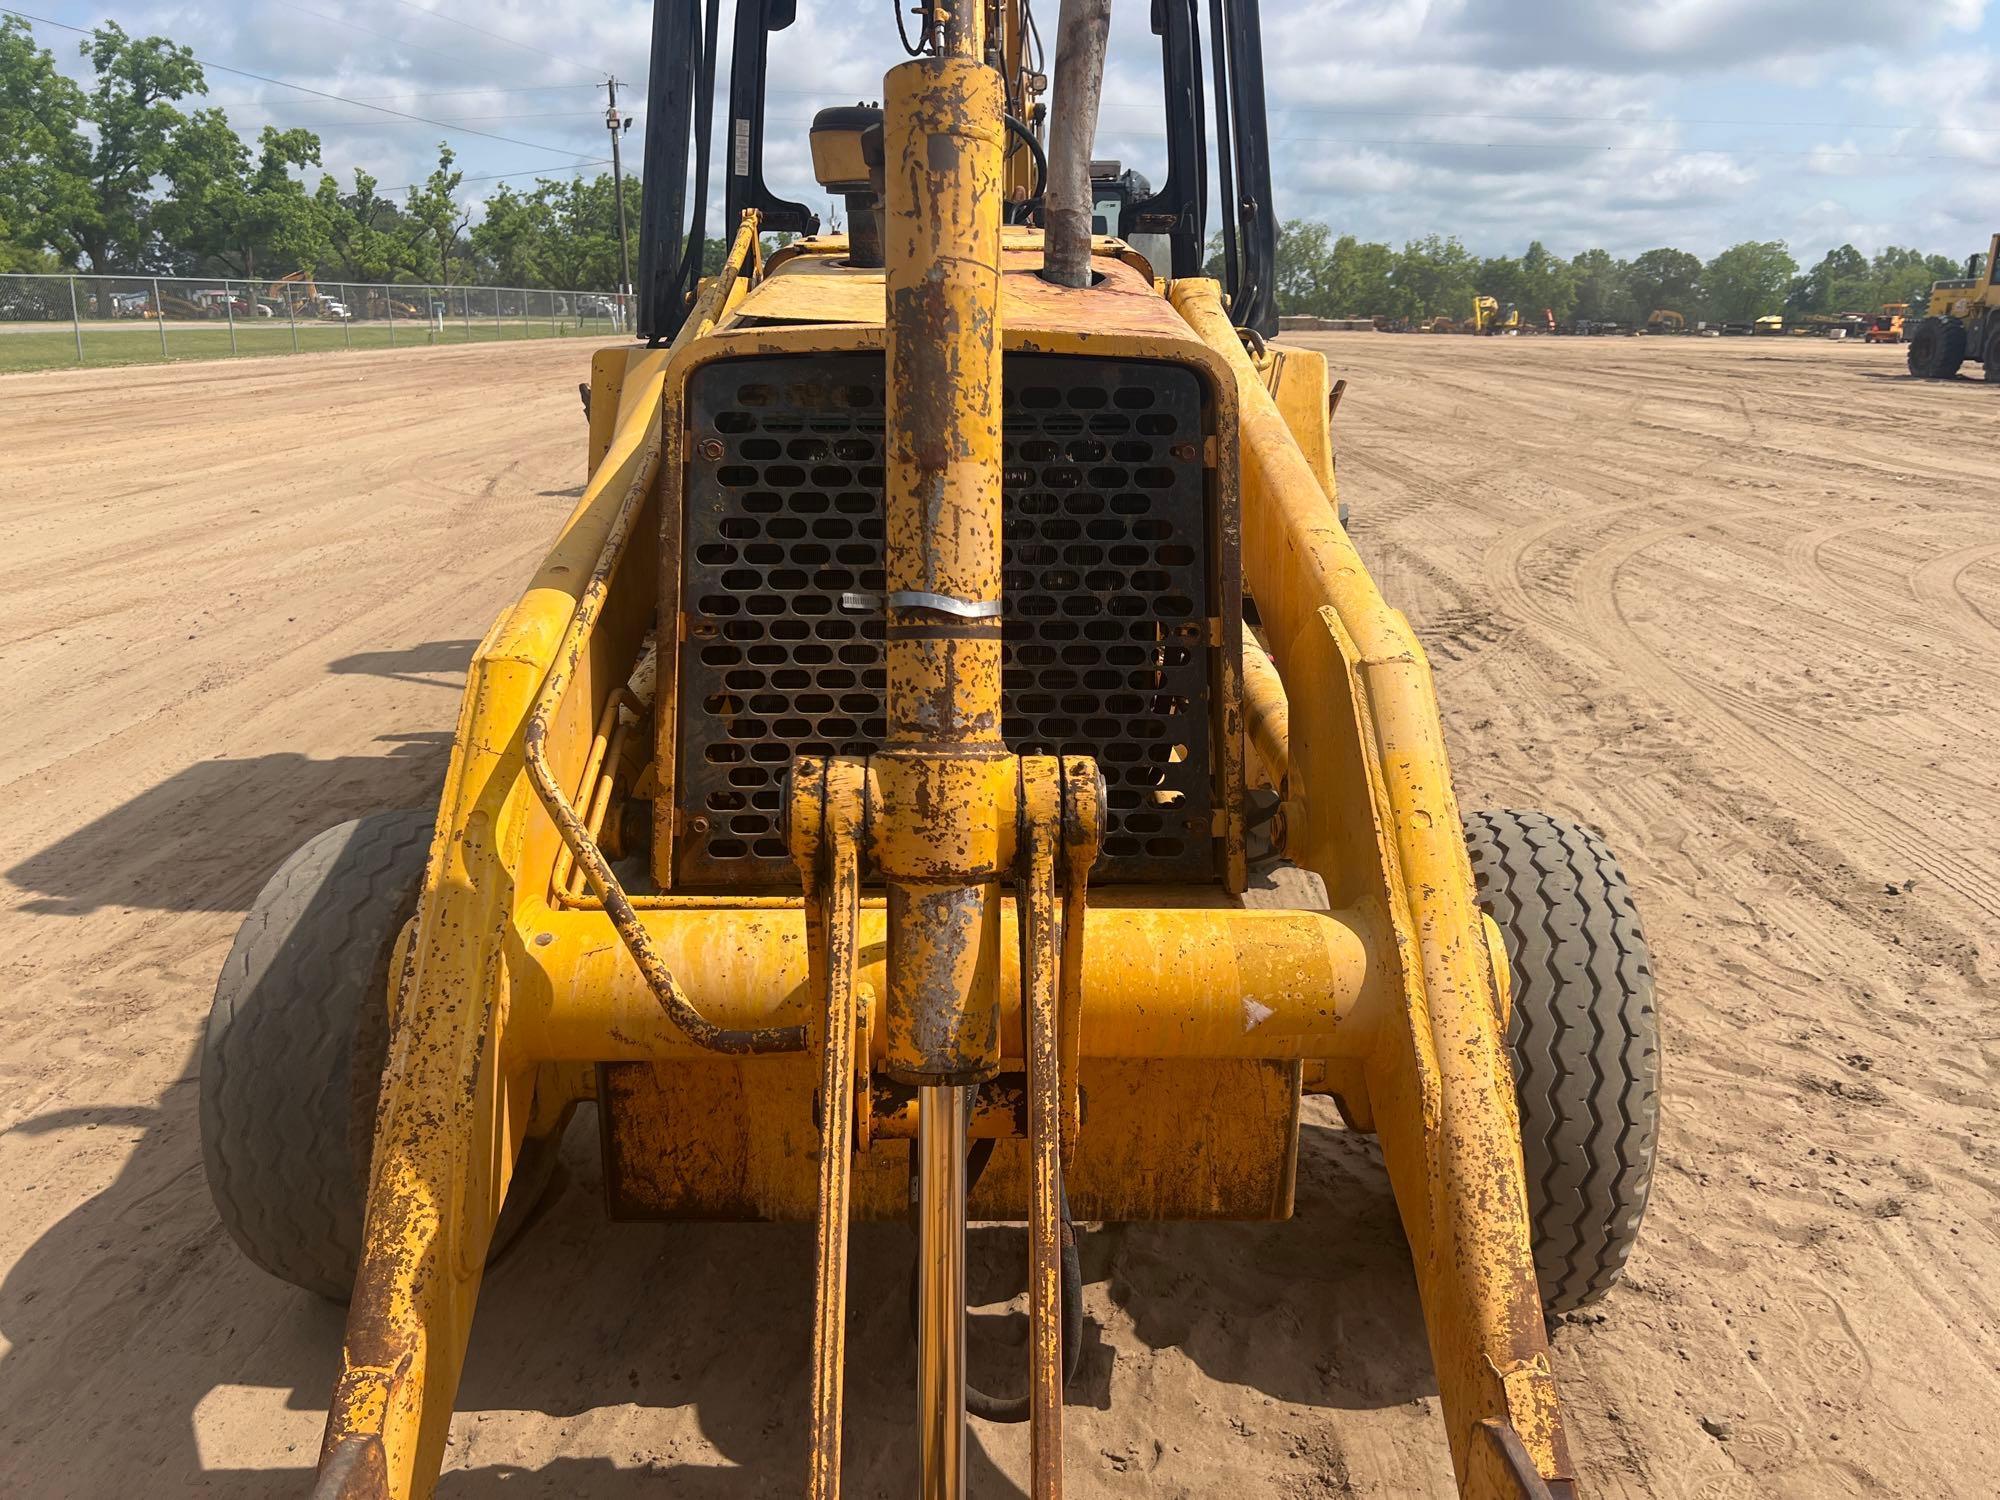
point(828, 806)
point(1185, 1027)
point(730, 1139)
point(943, 776)
point(1439, 1084)
point(1159, 981)
point(455, 1105)
point(1042, 788)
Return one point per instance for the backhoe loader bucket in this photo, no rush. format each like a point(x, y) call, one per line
point(878, 805)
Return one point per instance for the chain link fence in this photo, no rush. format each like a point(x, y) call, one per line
point(50, 321)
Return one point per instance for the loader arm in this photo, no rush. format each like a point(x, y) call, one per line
point(948, 927)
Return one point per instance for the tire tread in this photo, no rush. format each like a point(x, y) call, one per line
point(1584, 1037)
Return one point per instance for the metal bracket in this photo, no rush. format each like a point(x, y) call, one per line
point(944, 604)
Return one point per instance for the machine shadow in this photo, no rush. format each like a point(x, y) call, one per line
point(669, 1352)
point(1320, 1310)
point(207, 837)
point(432, 664)
point(132, 1312)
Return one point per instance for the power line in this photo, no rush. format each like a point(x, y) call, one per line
point(568, 114)
point(1278, 108)
point(424, 10)
point(356, 26)
point(595, 161)
point(531, 88)
point(1413, 142)
point(316, 93)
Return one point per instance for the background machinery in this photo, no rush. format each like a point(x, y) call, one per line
point(1962, 323)
point(1491, 316)
point(952, 764)
point(1887, 326)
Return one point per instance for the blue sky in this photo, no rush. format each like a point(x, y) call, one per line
point(1693, 123)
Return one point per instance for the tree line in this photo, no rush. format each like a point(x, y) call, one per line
point(128, 174)
point(121, 177)
point(1341, 276)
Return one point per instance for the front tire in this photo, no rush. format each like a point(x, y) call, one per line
point(293, 1054)
point(1937, 349)
point(1584, 1036)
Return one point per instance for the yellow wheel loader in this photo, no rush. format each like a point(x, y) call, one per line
point(1962, 323)
point(952, 765)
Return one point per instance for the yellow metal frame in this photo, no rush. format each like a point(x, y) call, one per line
point(1392, 996)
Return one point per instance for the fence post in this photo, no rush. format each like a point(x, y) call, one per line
point(347, 323)
point(392, 317)
point(465, 310)
point(160, 311)
point(76, 320)
point(229, 307)
point(292, 316)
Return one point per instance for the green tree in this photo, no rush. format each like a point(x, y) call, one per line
point(1665, 278)
point(1841, 281)
point(564, 233)
point(1499, 277)
point(131, 109)
point(1547, 281)
point(227, 210)
point(40, 112)
point(1905, 275)
point(1305, 280)
point(368, 237)
point(1362, 282)
point(1748, 281)
point(436, 220)
point(1433, 276)
point(1602, 288)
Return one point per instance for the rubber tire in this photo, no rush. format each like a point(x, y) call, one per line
point(1937, 349)
point(1584, 1036)
point(293, 1053)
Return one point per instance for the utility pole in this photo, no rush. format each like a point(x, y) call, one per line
point(618, 125)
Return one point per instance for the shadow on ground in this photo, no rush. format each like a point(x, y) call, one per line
point(207, 837)
point(136, 1309)
point(433, 664)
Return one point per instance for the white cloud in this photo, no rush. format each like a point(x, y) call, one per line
point(1498, 120)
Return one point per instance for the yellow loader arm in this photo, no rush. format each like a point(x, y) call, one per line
point(954, 971)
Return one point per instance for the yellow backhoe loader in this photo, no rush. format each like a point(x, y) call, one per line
point(952, 764)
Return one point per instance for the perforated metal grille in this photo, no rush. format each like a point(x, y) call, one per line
point(1105, 571)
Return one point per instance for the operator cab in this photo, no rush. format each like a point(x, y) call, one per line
point(1114, 189)
point(1215, 124)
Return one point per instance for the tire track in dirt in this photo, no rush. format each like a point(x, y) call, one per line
point(1940, 582)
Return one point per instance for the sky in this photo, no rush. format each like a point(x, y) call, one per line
point(1625, 124)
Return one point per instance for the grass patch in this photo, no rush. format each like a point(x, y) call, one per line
point(54, 346)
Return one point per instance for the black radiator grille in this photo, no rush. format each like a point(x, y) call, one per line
point(1106, 541)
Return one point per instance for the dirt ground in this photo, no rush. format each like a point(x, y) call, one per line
point(1737, 603)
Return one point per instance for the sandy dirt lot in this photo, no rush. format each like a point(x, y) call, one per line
point(1736, 603)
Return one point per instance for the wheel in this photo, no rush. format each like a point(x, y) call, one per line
point(1937, 349)
point(293, 1054)
point(1585, 1042)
